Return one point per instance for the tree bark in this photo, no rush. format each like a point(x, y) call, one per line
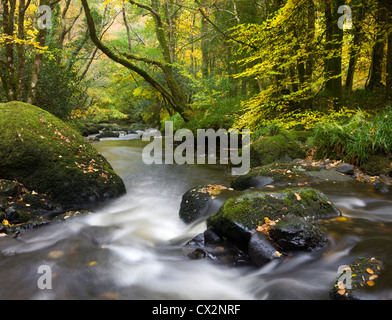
point(375, 79)
point(38, 61)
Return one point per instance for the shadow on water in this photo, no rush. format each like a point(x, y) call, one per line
point(130, 248)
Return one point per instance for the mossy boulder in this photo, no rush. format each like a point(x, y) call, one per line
point(48, 156)
point(241, 216)
point(276, 148)
point(357, 280)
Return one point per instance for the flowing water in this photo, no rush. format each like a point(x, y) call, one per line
point(130, 248)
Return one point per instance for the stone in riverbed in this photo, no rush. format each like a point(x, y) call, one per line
point(346, 169)
point(292, 233)
point(266, 225)
point(195, 202)
point(261, 250)
point(357, 280)
point(239, 217)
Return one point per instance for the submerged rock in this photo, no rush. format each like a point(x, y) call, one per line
point(48, 156)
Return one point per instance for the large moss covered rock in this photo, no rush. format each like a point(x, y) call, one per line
point(239, 217)
point(48, 156)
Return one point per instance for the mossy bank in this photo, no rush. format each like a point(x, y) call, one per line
point(48, 157)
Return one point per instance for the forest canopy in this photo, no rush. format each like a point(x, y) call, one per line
point(201, 63)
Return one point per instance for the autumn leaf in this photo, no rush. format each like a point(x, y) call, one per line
point(298, 196)
point(370, 283)
point(370, 271)
point(342, 291)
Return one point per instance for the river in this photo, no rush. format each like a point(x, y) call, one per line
point(131, 247)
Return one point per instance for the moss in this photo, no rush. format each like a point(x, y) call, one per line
point(248, 211)
point(47, 155)
point(271, 149)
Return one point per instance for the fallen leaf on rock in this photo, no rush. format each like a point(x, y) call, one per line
point(370, 283)
point(370, 271)
point(342, 291)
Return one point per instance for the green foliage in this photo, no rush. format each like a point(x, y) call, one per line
point(59, 90)
point(356, 140)
point(178, 122)
point(274, 148)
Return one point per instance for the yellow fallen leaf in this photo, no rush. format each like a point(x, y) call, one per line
point(92, 263)
point(340, 219)
point(370, 271)
point(370, 283)
point(341, 285)
point(342, 291)
point(109, 296)
point(55, 254)
point(373, 277)
point(5, 222)
point(267, 220)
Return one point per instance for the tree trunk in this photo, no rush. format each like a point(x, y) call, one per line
point(334, 45)
point(388, 91)
point(9, 79)
point(38, 61)
point(204, 49)
point(355, 48)
point(375, 79)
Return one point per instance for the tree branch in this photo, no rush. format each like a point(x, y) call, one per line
point(222, 32)
point(126, 63)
